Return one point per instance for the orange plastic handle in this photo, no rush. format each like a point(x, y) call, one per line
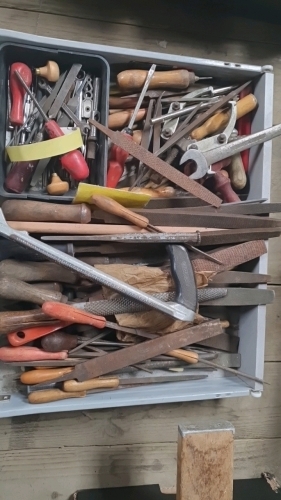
point(22, 337)
point(64, 312)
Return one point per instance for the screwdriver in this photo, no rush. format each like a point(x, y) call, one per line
point(118, 156)
point(73, 162)
point(17, 92)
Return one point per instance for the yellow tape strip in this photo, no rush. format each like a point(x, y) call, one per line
point(46, 149)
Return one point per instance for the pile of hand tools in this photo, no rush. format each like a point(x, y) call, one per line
point(143, 280)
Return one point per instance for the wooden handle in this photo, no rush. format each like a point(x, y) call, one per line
point(96, 383)
point(220, 120)
point(45, 285)
point(57, 187)
point(133, 79)
point(37, 271)
point(37, 376)
point(237, 172)
point(64, 312)
point(8, 354)
point(51, 71)
point(188, 356)
point(121, 119)
point(14, 289)
point(11, 321)
point(113, 207)
point(39, 211)
point(163, 192)
point(51, 395)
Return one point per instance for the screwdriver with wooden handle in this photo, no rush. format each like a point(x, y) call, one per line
point(220, 120)
point(133, 79)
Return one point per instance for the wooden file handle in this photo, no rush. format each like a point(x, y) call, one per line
point(188, 356)
point(51, 395)
point(37, 271)
point(11, 321)
point(38, 211)
point(51, 71)
point(122, 118)
point(133, 79)
point(26, 353)
point(14, 289)
point(95, 383)
point(38, 376)
point(220, 120)
point(113, 207)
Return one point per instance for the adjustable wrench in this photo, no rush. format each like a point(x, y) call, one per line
point(181, 268)
point(204, 159)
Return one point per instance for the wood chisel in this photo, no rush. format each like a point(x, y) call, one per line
point(140, 352)
point(176, 310)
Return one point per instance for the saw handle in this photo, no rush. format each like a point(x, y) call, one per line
point(134, 79)
point(95, 383)
point(220, 120)
point(33, 377)
point(52, 395)
point(113, 207)
point(64, 312)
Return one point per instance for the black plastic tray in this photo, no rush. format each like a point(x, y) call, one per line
point(36, 57)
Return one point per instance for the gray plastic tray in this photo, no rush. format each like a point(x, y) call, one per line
point(252, 325)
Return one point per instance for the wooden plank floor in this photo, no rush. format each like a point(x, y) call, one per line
point(51, 456)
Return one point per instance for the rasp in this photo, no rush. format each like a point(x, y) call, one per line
point(123, 304)
point(158, 165)
point(140, 352)
point(231, 256)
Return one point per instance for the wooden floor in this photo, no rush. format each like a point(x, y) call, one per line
point(50, 456)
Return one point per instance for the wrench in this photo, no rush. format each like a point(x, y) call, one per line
point(203, 160)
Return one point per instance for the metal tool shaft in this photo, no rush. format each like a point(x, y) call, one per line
point(172, 309)
point(184, 111)
point(142, 94)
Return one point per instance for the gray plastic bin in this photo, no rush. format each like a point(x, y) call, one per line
point(252, 325)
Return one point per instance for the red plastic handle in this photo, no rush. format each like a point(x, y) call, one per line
point(18, 92)
point(28, 354)
point(73, 162)
point(64, 312)
point(116, 164)
point(17, 339)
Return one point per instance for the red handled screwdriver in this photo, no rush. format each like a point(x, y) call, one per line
point(118, 156)
point(18, 92)
point(73, 162)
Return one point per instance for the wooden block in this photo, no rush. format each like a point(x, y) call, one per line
point(205, 462)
